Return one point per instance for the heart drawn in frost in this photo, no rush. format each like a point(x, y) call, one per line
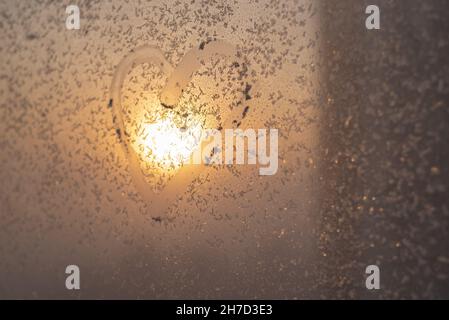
point(177, 81)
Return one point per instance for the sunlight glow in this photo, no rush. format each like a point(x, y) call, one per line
point(164, 144)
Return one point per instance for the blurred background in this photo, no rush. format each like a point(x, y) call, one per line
point(363, 126)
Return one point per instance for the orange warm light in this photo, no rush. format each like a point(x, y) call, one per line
point(162, 143)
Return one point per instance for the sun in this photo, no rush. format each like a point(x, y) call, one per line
point(165, 144)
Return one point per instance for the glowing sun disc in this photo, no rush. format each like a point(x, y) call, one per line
point(164, 144)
